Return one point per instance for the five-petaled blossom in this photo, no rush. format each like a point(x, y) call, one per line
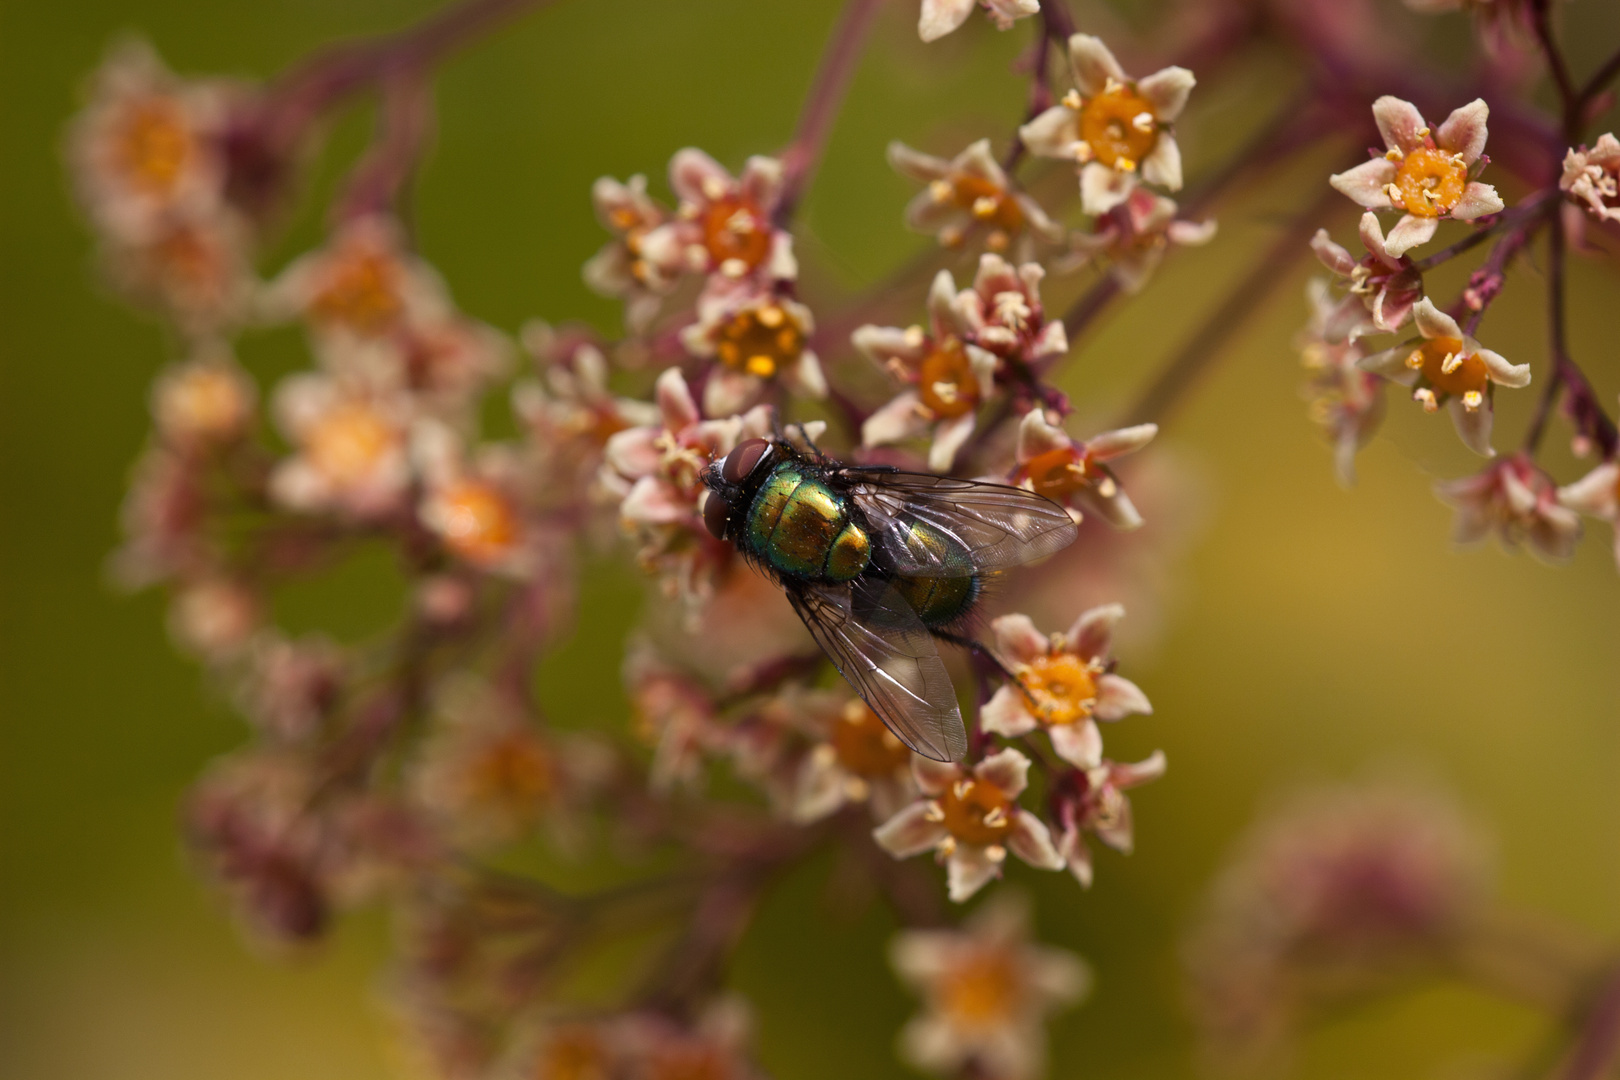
point(988, 990)
point(1064, 685)
point(1076, 474)
point(757, 337)
point(724, 224)
point(1597, 494)
point(860, 760)
point(1593, 177)
point(949, 378)
point(1134, 236)
point(1347, 402)
point(1094, 801)
point(971, 818)
point(1427, 174)
point(940, 17)
point(352, 446)
point(622, 269)
point(1383, 288)
point(1446, 366)
point(1514, 498)
point(971, 196)
point(474, 502)
point(1116, 128)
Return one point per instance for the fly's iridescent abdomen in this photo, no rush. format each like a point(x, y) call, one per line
point(799, 527)
point(940, 601)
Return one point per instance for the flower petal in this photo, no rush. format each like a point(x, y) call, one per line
point(1364, 184)
point(1118, 697)
point(1080, 744)
point(1092, 634)
point(916, 165)
point(1053, 134)
point(897, 421)
point(1331, 255)
point(910, 832)
point(1162, 166)
point(1477, 201)
point(1007, 770)
point(1391, 364)
point(696, 177)
point(1102, 188)
point(1167, 90)
point(1007, 714)
point(1017, 640)
point(1410, 232)
point(1036, 437)
point(949, 437)
point(1031, 841)
point(940, 17)
point(1113, 444)
point(933, 777)
point(1434, 323)
point(1513, 376)
point(1464, 131)
point(968, 870)
point(1399, 123)
point(1093, 64)
point(1473, 426)
point(1597, 493)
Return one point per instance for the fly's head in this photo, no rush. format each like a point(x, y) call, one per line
point(731, 479)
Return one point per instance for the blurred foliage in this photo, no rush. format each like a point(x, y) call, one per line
point(1310, 632)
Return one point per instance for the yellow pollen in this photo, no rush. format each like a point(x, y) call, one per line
point(987, 202)
point(1425, 397)
point(734, 228)
point(1430, 182)
point(360, 290)
point(864, 746)
point(1112, 124)
point(976, 813)
point(349, 442)
point(1061, 472)
point(205, 401)
point(946, 383)
point(1060, 688)
point(761, 340)
point(982, 990)
point(479, 522)
point(1473, 400)
point(1449, 367)
point(153, 145)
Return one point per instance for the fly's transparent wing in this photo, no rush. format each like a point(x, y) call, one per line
point(984, 526)
point(877, 642)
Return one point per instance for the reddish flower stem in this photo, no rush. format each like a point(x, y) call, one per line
point(821, 105)
point(1598, 1044)
point(1557, 67)
point(1582, 405)
point(1600, 79)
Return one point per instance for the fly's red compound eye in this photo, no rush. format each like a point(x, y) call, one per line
point(715, 513)
point(741, 461)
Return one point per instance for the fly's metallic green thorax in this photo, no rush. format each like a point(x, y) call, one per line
point(801, 528)
point(939, 601)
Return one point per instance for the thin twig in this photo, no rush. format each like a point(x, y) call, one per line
point(1600, 79)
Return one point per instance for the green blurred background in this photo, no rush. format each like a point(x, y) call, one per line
point(1306, 632)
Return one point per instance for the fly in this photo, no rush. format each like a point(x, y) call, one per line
point(879, 563)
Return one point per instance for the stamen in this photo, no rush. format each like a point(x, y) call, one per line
point(1143, 121)
point(1473, 400)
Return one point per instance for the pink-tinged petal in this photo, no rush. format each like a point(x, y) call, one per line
point(1392, 307)
point(1092, 635)
point(1006, 12)
point(940, 17)
point(654, 502)
point(968, 870)
point(819, 790)
point(942, 303)
point(1399, 122)
point(664, 246)
point(1372, 238)
point(674, 399)
point(1192, 233)
point(730, 391)
point(633, 452)
point(1117, 509)
point(1167, 91)
point(1331, 255)
point(933, 777)
point(1477, 200)
point(1391, 364)
point(1434, 323)
point(1017, 640)
point(1117, 830)
point(1079, 744)
point(696, 177)
point(782, 264)
point(1037, 437)
point(1118, 697)
point(1053, 134)
point(1410, 232)
point(949, 437)
point(1052, 341)
point(761, 181)
point(927, 214)
point(1162, 166)
point(916, 165)
point(910, 832)
point(1031, 841)
point(977, 160)
point(921, 956)
point(1473, 427)
point(983, 365)
point(1007, 714)
point(1364, 184)
point(899, 420)
point(1007, 770)
point(1597, 493)
point(1093, 64)
point(806, 378)
point(1513, 376)
point(1142, 772)
point(884, 343)
point(1102, 188)
point(1077, 856)
point(1464, 131)
point(1114, 444)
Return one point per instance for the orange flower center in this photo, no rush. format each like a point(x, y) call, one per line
point(154, 145)
point(205, 401)
point(1431, 182)
point(761, 340)
point(946, 382)
point(573, 1055)
point(864, 746)
point(361, 291)
point(981, 991)
point(189, 258)
point(1119, 126)
point(514, 770)
point(1059, 473)
point(734, 228)
point(349, 442)
point(1060, 689)
point(995, 206)
point(976, 812)
point(479, 522)
point(1448, 367)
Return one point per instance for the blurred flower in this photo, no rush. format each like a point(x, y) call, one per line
point(1071, 473)
point(474, 502)
point(724, 225)
point(1334, 891)
point(988, 992)
point(1093, 801)
point(290, 688)
point(1429, 176)
point(1501, 23)
point(971, 819)
point(1516, 500)
point(362, 287)
point(193, 267)
point(860, 761)
point(971, 196)
point(1447, 367)
point(443, 360)
point(1002, 313)
point(164, 517)
point(1134, 236)
point(1383, 288)
point(206, 401)
point(675, 713)
point(1116, 128)
point(952, 378)
point(757, 337)
point(940, 17)
point(1597, 494)
point(1345, 401)
point(622, 269)
point(215, 616)
point(351, 447)
point(1593, 177)
point(714, 1046)
point(1065, 684)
